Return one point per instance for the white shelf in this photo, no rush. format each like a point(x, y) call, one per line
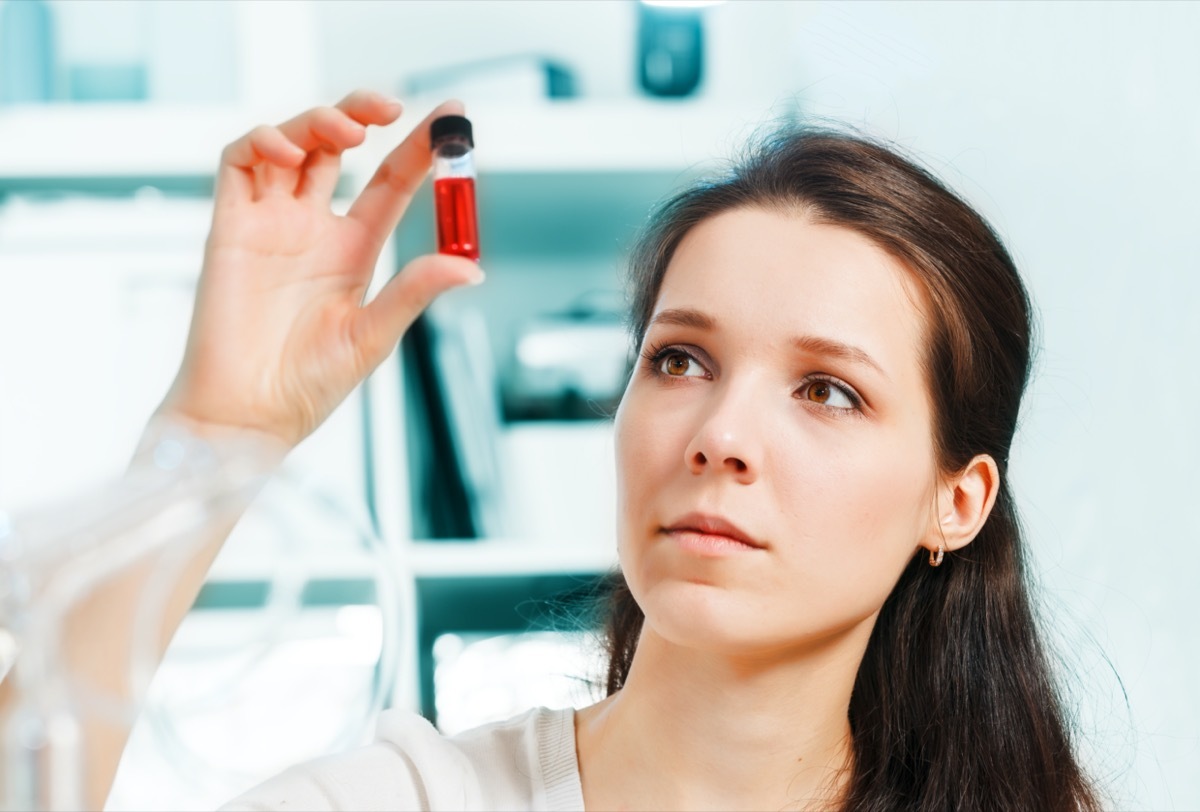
point(437, 559)
point(115, 140)
point(146, 140)
point(503, 557)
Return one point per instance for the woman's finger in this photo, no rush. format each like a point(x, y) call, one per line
point(323, 133)
point(319, 177)
point(261, 146)
point(383, 321)
point(389, 191)
point(263, 143)
point(323, 168)
point(327, 127)
point(369, 107)
point(286, 146)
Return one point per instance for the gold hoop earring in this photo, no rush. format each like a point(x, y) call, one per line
point(935, 559)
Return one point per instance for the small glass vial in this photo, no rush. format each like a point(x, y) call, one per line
point(454, 186)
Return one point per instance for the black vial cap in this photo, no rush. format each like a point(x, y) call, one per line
point(451, 125)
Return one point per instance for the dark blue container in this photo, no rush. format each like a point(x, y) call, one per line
point(26, 51)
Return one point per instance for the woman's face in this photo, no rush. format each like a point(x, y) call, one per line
point(779, 397)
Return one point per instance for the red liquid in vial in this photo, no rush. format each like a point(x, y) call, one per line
point(457, 229)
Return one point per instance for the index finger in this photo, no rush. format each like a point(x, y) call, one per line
point(369, 107)
point(393, 185)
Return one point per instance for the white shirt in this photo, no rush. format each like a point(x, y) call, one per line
point(526, 763)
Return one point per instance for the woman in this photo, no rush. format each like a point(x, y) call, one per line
point(823, 601)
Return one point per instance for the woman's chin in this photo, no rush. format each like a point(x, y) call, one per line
point(706, 618)
point(720, 620)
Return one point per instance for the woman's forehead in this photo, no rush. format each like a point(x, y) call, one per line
point(772, 276)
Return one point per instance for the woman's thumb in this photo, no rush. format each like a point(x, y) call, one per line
point(383, 321)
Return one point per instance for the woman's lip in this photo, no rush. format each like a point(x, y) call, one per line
point(711, 524)
point(711, 533)
point(707, 544)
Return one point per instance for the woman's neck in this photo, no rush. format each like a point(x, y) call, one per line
point(698, 730)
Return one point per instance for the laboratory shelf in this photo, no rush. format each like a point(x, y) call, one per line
point(153, 142)
point(115, 140)
point(484, 586)
point(506, 557)
point(243, 575)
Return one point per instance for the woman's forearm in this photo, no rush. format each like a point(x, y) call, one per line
point(98, 642)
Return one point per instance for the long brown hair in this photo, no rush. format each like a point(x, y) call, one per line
point(954, 706)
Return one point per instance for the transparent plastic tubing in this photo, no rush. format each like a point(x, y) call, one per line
point(395, 599)
point(170, 503)
point(453, 147)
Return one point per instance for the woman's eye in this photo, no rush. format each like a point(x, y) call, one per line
point(828, 394)
point(679, 365)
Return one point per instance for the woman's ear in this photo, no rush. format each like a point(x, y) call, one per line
point(963, 504)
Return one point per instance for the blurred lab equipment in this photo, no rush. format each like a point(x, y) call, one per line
point(313, 616)
point(106, 51)
point(571, 365)
point(670, 48)
point(515, 75)
point(453, 423)
point(493, 646)
point(481, 678)
point(107, 83)
point(176, 497)
point(170, 502)
point(27, 55)
point(465, 475)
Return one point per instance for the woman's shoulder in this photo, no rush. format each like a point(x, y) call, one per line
point(526, 762)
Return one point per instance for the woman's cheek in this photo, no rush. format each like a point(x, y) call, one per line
point(855, 508)
point(634, 443)
point(889, 502)
point(649, 440)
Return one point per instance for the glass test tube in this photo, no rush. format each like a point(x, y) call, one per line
point(454, 186)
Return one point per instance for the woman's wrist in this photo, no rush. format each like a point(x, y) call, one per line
point(172, 437)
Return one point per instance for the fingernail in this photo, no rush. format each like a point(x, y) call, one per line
point(478, 278)
point(392, 101)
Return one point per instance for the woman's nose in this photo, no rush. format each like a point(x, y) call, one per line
point(726, 441)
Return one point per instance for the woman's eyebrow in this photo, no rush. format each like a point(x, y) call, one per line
point(836, 349)
point(684, 317)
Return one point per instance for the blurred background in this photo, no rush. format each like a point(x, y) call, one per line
point(475, 468)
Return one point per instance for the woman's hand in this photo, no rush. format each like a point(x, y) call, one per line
point(280, 334)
